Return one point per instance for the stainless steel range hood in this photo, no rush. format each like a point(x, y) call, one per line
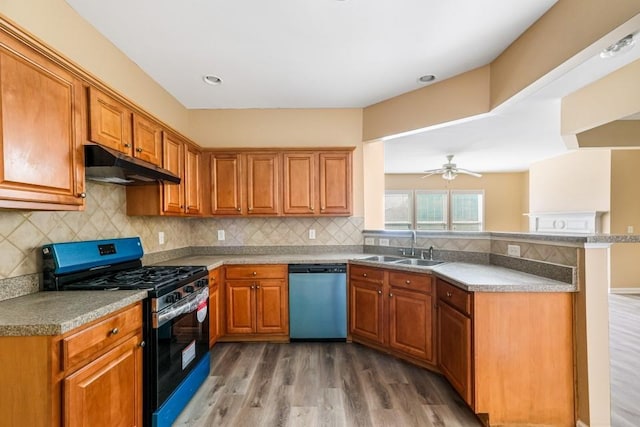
point(108, 165)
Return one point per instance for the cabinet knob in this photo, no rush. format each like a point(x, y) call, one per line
point(127, 145)
point(253, 287)
point(139, 150)
point(310, 208)
point(449, 294)
point(321, 208)
point(257, 286)
point(250, 209)
point(408, 282)
point(114, 331)
point(142, 344)
point(238, 209)
point(254, 273)
point(379, 292)
point(82, 195)
point(364, 274)
point(390, 295)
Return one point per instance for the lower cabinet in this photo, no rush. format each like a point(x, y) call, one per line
point(393, 311)
point(257, 301)
point(214, 307)
point(90, 376)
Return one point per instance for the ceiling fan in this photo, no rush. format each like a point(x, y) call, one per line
point(449, 170)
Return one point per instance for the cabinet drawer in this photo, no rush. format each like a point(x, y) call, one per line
point(84, 345)
point(256, 272)
point(418, 282)
point(455, 297)
point(367, 274)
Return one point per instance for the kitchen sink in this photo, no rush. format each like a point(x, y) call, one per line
point(382, 258)
point(419, 262)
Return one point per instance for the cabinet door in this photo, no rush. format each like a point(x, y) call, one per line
point(41, 131)
point(191, 180)
point(263, 178)
point(173, 160)
point(454, 349)
point(272, 313)
point(366, 311)
point(299, 183)
point(109, 122)
point(240, 307)
point(147, 140)
point(214, 314)
point(335, 183)
point(108, 391)
point(226, 197)
point(410, 323)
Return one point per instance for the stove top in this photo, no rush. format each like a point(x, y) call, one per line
point(152, 277)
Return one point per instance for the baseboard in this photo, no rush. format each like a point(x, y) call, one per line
point(581, 424)
point(624, 290)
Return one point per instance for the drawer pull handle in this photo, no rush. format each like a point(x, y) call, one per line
point(142, 344)
point(254, 273)
point(127, 145)
point(408, 282)
point(449, 294)
point(114, 331)
point(379, 292)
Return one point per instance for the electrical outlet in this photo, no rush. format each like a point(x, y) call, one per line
point(161, 237)
point(370, 241)
point(384, 242)
point(513, 250)
point(630, 229)
point(312, 234)
point(220, 234)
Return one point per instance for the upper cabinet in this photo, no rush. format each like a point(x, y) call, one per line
point(41, 131)
point(114, 125)
point(277, 182)
point(110, 122)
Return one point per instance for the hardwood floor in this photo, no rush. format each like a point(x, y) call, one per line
point(320, 384)
point(624, 347)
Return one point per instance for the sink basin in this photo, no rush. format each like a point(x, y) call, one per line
point(419, 262)
point(382, 258)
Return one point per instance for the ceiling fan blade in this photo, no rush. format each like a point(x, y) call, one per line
point(430, 173)
point(468, 172)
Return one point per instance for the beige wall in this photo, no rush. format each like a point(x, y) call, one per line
point(61, 28)
point(504, 208)
point(619, 133)
point(285, 128)
point(373, 159)
point(573, 182)
point(625, 211)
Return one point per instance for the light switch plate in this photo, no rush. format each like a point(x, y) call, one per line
point(384, 242)
point(220, 234)
point(630, 229)
point(370, 241)
point(161, 237)
point(513, 250)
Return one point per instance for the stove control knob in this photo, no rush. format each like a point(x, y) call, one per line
point(177, 296)
point(170, 299)
point(189, 289)
point(202, 283)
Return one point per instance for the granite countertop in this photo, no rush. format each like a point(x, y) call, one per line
point(470, 277)
point(54, 313)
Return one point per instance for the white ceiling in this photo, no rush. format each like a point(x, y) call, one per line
point(352, 53)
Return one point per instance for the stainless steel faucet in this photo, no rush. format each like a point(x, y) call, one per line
point(429, 251)
point(414, 238)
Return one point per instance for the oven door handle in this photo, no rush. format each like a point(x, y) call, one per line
point(186, 306)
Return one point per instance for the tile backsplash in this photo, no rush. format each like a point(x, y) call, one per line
point(22, 233)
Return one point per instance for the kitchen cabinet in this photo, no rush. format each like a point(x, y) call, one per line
point(42, 126)
point(184, 160)
point(317, 183)
point(214, 306)
point(504, 350)
point(256, 301)
point(393, 311)
point(63, 379)
point(226, 183)
point(263, 183)
point(114, 125)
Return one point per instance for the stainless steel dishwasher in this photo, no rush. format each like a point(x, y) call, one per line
point(318, 302)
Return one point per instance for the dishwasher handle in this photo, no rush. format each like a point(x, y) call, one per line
point(317, 268)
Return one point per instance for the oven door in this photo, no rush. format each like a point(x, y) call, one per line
point(179, 339)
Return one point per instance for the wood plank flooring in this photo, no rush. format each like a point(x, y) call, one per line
point(624, 348)
point(320, 384)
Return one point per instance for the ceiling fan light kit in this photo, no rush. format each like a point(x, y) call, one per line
point(450, 171)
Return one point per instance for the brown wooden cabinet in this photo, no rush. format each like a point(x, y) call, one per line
point(335, 183)
point(300, 182)
point(263, 183)
point(226, 183)
point(393, 311)
point(184, 160)
point(147, 139)
point(63, 380)
point(42, 127)
point(214, 306)
point(256, 301)
point(110, 122)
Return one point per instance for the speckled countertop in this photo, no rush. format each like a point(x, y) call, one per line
point(54, 313)
point(471, 277)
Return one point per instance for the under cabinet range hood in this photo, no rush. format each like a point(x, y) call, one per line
point(108, 165)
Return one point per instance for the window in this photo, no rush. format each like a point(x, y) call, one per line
point(459, 210)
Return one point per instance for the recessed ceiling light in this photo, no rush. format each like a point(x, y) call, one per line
point(212, 80)
point(426, 79)
point(621, 46)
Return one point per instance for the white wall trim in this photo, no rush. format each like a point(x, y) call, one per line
point(565, 222)
point(581, 424)
point(597, 245)
point(624, 291)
